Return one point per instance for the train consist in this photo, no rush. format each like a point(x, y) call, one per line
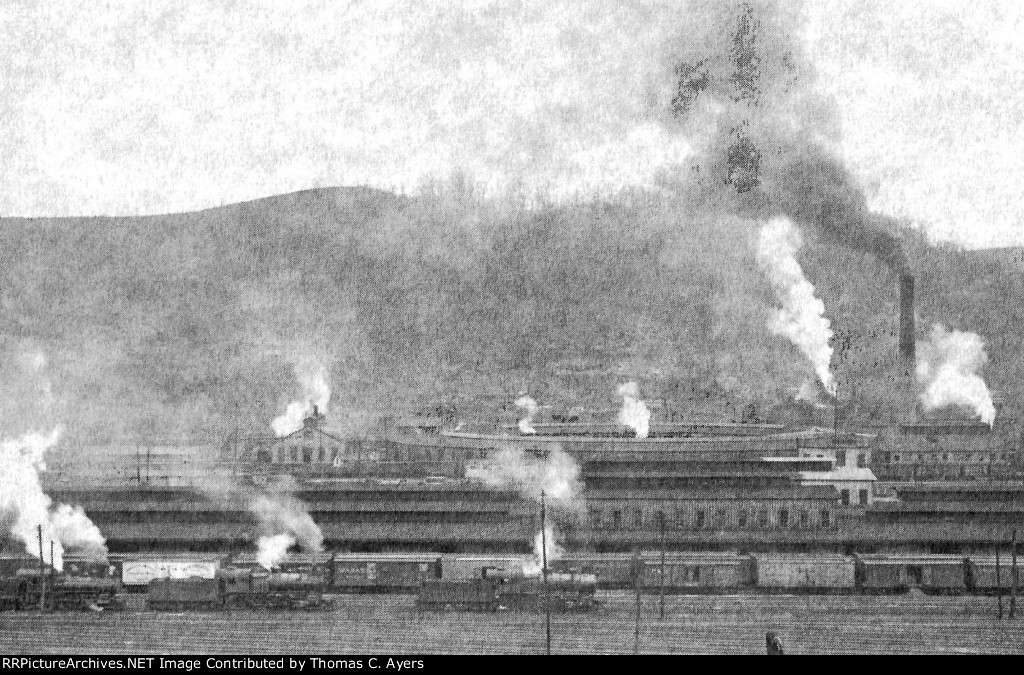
point(484, 583)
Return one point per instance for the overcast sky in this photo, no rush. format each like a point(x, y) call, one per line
point(126, 107)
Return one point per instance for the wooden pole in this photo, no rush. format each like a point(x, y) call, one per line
point(42, 572)
point(661, 519)
point(1013, 577)
point(544, 571)
point(638, 573)
point(999, 585)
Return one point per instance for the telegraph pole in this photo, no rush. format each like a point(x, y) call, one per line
point(544, 571)
point(42, 572)
point(1013, 578)
point(638, 571)
point(661, 523)
point(999, 584)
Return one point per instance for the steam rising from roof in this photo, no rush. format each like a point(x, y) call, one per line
point(948, 368)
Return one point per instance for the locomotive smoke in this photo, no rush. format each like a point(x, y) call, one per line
point(530, 407)
point(315, 392)
point(289, 522)
point(22, 494)
point(541, 541)
point(948, 369)
point(801, 318)
point(634, 413)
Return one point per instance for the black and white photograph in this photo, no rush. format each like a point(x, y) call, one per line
point(359, 334)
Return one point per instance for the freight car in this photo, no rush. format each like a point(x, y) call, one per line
point(382, 572)
point(137, 571)
point(932, 574)
point(241, 588)
point(492, 592)
point(817, 574)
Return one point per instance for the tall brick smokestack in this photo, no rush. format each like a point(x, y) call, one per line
point(907, 358)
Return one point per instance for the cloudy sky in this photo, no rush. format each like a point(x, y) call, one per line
point(171, 105)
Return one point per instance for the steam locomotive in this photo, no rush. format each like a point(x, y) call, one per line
point(240, 587)
point(24, 584)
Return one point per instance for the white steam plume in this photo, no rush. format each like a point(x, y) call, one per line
point(315, 391)
point(557, 475)
point(947, 368)
point(272, 550)
point(21, 493)
point(545, 545)
point(530, 407)
point(284, 518)
point(634, 413)
point(801, 319)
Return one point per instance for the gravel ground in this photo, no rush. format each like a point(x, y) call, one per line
point(392, 625)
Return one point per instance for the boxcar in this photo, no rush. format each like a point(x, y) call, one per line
point(613, 570)
point(387, 572)
point(137, 573)
point(699, 572)
point(935, 574)
point(805, 573)
point(982, 575)
point(475, 567)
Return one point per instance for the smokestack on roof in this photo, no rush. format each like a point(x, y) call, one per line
point(907, 359)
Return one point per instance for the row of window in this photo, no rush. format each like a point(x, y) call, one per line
point(862, 497)
point(979, 457)
point(862, 459)
point(615, 519)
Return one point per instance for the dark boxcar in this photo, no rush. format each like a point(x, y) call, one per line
point(934, 574)
point(387, 572)
point(471, 594)
point(699, 572)
point(613, 570)
point(982, 577)
point(178, 594)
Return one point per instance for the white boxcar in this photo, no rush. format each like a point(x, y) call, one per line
point(141, 572)
point(797, 573)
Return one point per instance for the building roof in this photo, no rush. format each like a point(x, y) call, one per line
point(843, 473)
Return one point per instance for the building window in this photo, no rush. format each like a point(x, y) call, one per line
point(322, 456)
point(840, 457)
point(945, 457)
point(699, 522)
point(783, 518)
point(742, 520)
point(680, 519)
point(861, 460)
point(805, 518)
point(595, 519)
point(307, 454)
point(863, 497)
point(762, 518)
point(295, 454)
point(845, 497)
point(895, 458)
point(721, 519)
point(617, 519)
point(661, 521)
point(826, 519)
point(638, 518)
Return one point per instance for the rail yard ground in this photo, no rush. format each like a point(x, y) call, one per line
point(392, 625)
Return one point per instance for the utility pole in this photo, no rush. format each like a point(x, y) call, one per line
point(1013, 578)
point(638, 571)
point(42, 571)
point(544, 571)
point(999, 584)
point(661, 523)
